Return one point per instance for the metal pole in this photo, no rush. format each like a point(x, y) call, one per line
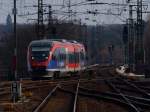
point(50, 22)
point(16, 86)
point(40, 19)
point(131, 38)
point(69, 10)
point(140, 53)
point(15, 36)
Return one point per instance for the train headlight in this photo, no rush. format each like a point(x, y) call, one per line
point(32, 58)
point(46, 57)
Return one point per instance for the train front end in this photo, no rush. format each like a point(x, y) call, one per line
point(39, 54)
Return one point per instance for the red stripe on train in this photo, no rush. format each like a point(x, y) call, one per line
point(73, 65)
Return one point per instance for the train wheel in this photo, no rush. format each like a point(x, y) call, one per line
point(56, 75)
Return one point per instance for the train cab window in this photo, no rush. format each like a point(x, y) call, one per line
point(41, 46)
point(40, 50)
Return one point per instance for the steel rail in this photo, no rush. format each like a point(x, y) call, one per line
point(44, 102)
point(35, 85)
point(7, 90)
point(123, 96)
point(101, 97)
point(145, 88)
point(144, 103)
point(117, 98)
point(137, 88)
point(76, 97)
point(139, 99)
point(109, 99)
point(131, 90)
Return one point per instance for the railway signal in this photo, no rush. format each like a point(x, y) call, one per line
point(16, 91)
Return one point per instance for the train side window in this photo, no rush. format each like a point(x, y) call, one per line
point(63, 57)
point(78, 55)
point(71, 58)
point(59, 54)
point(75, 57)
point(53, 57)
point(63, 54)
point(82, 56)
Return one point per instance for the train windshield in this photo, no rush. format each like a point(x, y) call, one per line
point(40, 51)
point(41, 46)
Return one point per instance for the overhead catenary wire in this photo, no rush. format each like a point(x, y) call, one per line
point(80, 4)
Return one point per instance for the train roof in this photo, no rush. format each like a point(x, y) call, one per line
point(56, 40)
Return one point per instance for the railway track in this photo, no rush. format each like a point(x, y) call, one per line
point(5, 87)
point(62, 95)
point(102, 91)
point(77, 94)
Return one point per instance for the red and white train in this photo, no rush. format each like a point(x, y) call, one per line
point(53, 57)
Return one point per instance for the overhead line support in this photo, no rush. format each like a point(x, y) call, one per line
point(40, 27)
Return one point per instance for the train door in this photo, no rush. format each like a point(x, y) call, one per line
point(82, 59)
point(67, 58)
point(55, 59)
point(61, 58)
point(77, 59)
point(64, 56)
point(74, 59)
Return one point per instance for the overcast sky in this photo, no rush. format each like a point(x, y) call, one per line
point(7, 5)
